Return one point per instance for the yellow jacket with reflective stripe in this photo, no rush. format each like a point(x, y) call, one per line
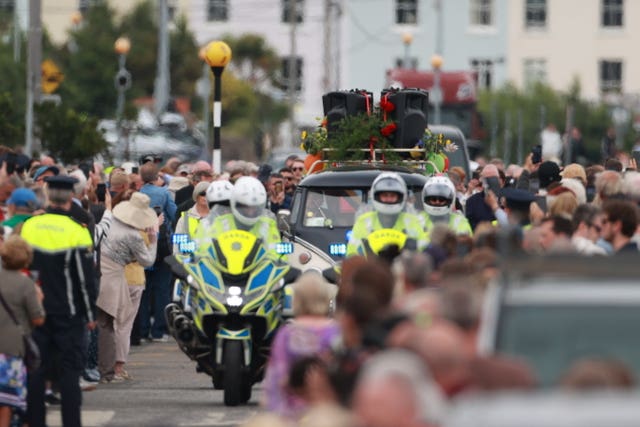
point(265, 229)
point(458, 223)
point(63, 260)
point(369, 222)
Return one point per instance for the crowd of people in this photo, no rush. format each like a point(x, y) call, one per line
point(84, 250)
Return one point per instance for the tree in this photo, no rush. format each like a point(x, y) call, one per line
point(10, 132)
point(253, 60)
point(186, 67)
point(67, 134)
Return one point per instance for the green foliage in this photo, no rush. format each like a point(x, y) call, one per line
point(68, 135)
point(186, 66)
point(10, 133)
point(253, 60)
point(539, 105)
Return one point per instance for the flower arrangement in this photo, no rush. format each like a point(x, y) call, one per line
point(433, 148)
point(350, 136)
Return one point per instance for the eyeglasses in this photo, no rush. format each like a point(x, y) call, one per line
point(288, 178)
point(297, 169)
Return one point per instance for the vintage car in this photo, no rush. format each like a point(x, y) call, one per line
point(324, 209)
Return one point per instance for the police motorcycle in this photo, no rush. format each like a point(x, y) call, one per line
point(229, 298)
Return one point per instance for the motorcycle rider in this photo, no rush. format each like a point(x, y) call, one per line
point(389, 195)
point(218, 197)
point(439, 200)
point(248, 200)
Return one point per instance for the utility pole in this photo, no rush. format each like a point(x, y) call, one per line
point(326, 79)
point(338, 43)
point(16, 31)
point(292, 69)
point(34, 59)
point(438, 7)
point(162, 85)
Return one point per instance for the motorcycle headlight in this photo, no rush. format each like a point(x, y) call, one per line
point(234, 296)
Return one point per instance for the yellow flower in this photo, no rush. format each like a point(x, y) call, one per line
point(304, 134)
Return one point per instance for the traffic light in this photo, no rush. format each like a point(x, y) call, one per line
point(338, 105)
point(122, 79)
point(410, 112)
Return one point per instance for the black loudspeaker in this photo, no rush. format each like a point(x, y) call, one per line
point(410, 114)
point(338, 105)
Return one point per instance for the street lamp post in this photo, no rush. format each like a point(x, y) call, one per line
point(407, 39)
point(206, 93)
point(122, 82)
point(217, 55)
point(436, 91)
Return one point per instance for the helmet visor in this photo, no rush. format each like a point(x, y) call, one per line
point(388, 197)
point(248, 211)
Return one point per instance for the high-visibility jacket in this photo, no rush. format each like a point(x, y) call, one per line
point(369, 222)
point(63, 262)
point(265, 229)
point(457, 223)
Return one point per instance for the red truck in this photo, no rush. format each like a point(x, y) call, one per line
point(459, 101)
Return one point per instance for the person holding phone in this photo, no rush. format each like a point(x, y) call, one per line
point(277, 196)
point(477, 209)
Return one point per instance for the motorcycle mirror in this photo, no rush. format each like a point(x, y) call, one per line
point(176, 267)
point(283, 220)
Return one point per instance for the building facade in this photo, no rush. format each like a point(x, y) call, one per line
point(594, 41)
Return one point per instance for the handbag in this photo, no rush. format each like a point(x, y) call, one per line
point(31, 350)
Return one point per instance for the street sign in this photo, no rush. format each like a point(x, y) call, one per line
point(51, 76)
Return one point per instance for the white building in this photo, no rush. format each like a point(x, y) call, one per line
point(558, 40)
point(317, 59)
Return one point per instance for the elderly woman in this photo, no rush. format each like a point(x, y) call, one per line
point(311, 333)
point(20, 300)
point(117, 301)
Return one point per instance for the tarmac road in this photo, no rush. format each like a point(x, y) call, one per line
point(165, 391)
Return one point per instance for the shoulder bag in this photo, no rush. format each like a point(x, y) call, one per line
point(31, 351)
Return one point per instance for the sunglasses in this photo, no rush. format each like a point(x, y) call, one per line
point(288, 178)
point(202, 193)
point(297, 169)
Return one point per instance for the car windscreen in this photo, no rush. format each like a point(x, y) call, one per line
point(551, 338)
point(333, 207)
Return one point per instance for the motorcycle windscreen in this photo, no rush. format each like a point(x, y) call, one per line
point(236, 246)
point(386, 237)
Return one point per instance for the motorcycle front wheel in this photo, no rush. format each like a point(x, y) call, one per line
point(233, 384)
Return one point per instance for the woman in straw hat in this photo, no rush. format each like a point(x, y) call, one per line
point(134, 224)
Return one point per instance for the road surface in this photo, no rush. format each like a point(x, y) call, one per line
point(165, 391)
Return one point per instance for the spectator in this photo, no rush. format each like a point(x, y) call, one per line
point(555, 235)
point(476, 209)
point(200, 171)
point(608, 149)
point(158, 277)
point(396, 390)
point(608, 184)
point(118, 302)
point(575, 152)
point(44, 171)
point(278, 199)
point(20, 207)
point(619, 225)
point(551, 143)
point(311, 333)
point(297, 167)
point(19, 294)
point(290, 160)
point(289, 181)
point(587, 225)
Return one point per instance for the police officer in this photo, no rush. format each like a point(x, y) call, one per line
point(63, 261)
point(516, 208)
point(389, 197)
point(190, 219)
point(248, 201)
point(439, 200)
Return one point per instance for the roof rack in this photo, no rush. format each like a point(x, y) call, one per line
point(377, 159)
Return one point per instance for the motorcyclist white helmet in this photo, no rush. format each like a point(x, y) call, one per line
point(248, 199)
point(219, 192)
point(438, 196)
point(388, 182)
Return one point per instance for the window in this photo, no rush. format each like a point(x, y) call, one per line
point(285, 73)
point(535, 70)
point(406, 11)
point(612, 13)
point(331, 207)
point(413, 63)
point(535, 13)
point(217, 10)
point(84, 5)
point(484, 70)
point(610, 76)
point(481, 13)
point(287, 6)
point(7, 5)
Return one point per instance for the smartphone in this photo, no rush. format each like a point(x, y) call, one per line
point(534, 185)
point(492, 183)
point(278, 186)
point(537, 154)
point(135, 169)
point(101, 191)
point(158, 210)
